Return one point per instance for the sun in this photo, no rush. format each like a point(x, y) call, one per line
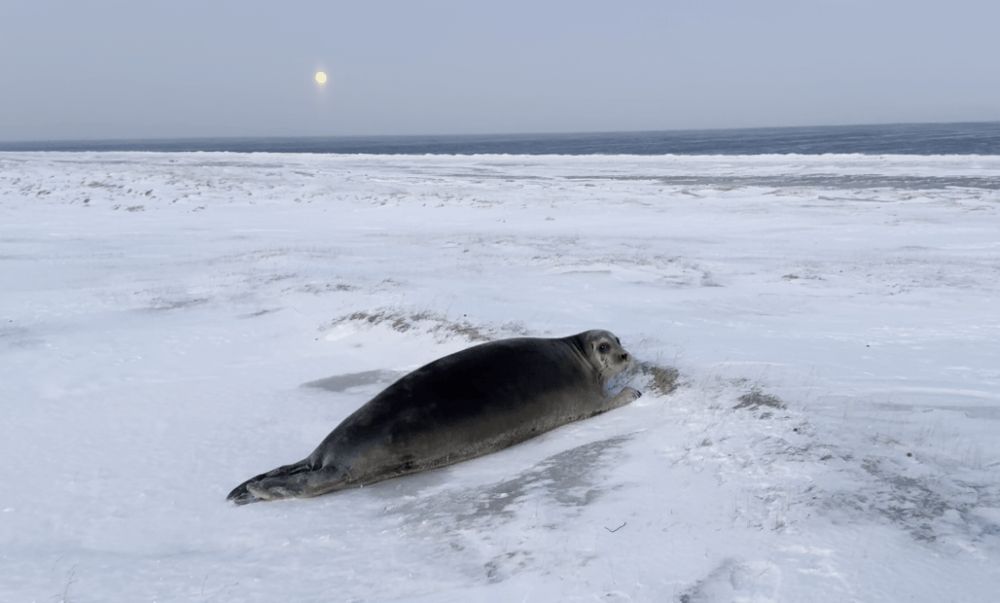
point(320, 77)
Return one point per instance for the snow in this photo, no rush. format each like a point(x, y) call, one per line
point(171, 324)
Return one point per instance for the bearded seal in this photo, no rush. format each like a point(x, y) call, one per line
point(461, 406)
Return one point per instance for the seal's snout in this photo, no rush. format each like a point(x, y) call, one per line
point(624, 356)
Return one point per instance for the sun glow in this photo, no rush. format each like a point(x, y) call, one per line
point(320, 77)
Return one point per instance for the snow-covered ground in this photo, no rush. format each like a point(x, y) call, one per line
point(171, 324)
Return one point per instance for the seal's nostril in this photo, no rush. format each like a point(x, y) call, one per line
point(624, 356)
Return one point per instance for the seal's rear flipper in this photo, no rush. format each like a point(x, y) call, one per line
point(243, 495)
point(301, 484)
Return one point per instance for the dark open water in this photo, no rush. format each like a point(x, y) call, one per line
point(908, 139)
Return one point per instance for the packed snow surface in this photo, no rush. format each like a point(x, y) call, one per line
point(172, 324)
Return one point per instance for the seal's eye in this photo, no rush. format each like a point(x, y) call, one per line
point(604, 348)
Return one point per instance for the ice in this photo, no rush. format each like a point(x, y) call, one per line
point(171, 324)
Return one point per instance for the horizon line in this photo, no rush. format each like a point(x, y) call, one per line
point(478, 134)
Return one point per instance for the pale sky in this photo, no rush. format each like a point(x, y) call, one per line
point(140, 69)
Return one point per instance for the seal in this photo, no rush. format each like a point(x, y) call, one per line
point(461, 406)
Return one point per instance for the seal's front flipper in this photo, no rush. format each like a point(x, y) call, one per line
point(626, 396)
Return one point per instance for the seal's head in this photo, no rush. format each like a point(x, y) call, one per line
point(605, 352)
